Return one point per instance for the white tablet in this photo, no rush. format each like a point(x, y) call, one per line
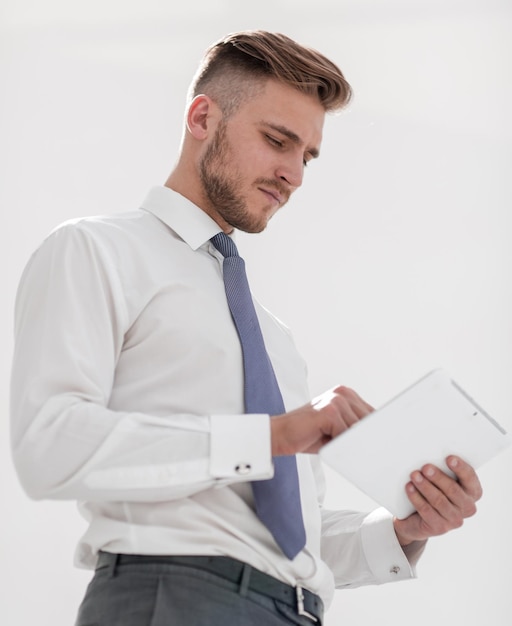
point(427, 422)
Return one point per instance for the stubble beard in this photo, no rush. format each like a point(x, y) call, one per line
point(220, 187)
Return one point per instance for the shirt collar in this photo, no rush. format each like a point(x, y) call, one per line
point(185, 218)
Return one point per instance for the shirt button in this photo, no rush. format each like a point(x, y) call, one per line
point(243, 468)
point(394, 570)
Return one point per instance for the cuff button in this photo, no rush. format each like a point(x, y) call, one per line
point(243, 468)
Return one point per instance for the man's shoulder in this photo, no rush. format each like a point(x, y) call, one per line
point(115, 236)
point(105, 223)
point(116, 228)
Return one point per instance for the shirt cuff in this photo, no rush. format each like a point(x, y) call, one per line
point(382, 550)
point(240, 447)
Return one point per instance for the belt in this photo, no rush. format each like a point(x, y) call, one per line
point(302, 601)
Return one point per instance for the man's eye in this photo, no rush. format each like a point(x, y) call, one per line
point(274, 141)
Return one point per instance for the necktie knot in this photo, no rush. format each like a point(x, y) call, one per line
point(225, 245)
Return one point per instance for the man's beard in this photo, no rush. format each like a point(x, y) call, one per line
point(220, 188)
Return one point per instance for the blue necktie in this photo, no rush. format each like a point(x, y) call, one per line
point(278, 499)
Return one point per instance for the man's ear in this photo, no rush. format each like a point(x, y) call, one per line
point(202, 116)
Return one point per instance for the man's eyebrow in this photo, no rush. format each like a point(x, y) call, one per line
point(293, 137)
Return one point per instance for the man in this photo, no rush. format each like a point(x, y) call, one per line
point(132, 381)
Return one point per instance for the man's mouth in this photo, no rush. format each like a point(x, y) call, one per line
point(273, 194)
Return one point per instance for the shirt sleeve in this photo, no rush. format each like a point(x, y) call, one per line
point(362, 548)
point(70, 321)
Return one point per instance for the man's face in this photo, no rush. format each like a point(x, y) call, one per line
point(256, 159)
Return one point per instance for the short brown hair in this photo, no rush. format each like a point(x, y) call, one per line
point(237, 65)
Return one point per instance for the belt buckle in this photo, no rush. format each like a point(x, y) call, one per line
point(300, 604)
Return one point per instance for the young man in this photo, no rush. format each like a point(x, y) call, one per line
point(132, 387)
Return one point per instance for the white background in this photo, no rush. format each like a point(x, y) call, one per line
point(393, 259)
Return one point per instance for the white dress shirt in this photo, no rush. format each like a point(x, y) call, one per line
point(127, 396)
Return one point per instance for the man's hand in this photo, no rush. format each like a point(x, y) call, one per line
point(442, 503)
point(308, 428)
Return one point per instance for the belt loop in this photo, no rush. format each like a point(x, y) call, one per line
point(244, 580)
point(113, 559)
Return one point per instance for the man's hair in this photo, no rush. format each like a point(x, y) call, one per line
point(236, 68)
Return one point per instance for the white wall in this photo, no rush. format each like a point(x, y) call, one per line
point(408, 269)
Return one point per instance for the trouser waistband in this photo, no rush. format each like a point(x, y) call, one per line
point(302, 601)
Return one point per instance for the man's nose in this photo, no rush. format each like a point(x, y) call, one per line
point(291, 171)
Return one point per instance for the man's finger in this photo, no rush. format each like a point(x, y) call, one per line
point(466, 476)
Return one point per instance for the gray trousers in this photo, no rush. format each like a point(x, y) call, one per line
point(157, 594)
